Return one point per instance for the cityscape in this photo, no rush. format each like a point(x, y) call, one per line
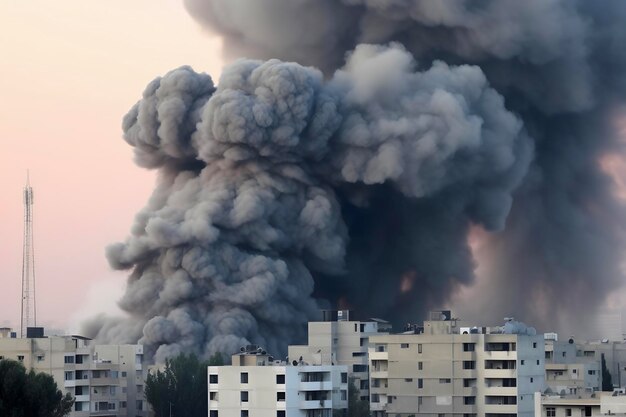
point(314, 208)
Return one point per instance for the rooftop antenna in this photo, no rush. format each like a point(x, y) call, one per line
point(29, 311)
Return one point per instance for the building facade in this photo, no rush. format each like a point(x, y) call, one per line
point(339, 340)
point(443, 370)
point(600, 404)
point(256, 385)
point(105, 380)
point(568, 371)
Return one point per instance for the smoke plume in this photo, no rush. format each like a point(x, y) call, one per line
point(285, 187)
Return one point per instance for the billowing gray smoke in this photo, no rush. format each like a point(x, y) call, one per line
point(259, 176)
point(284, 188)
point(561, 66)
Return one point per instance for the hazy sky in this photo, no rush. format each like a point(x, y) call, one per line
point(69, 71)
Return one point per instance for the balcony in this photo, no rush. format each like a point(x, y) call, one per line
point(500, 390)
point(501, 355)
point(68, 383)
point(500, 409)
point(82, 398)
point(379, 374)
point(104, 381)
point(379, 390)
point(316, 386)
point(379, 356)
point(315, 404)
point(500, 373)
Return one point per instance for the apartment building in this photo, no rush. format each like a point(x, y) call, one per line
point(599, 404)
point(257, 385)
point(340, 340)
point(567, 370)
point(105, 380)
point(441, 369)
point(614, 354)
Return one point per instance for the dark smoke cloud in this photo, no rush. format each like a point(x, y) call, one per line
point(286, 187)
point(560, 64)
point(276, 186)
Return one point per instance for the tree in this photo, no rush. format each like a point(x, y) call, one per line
point(356, 406)
point(607, 380)
point(30, 394)
point(181, 388)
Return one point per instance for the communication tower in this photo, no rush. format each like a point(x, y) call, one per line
point(29, 311)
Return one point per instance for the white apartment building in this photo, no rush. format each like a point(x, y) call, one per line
point(569, 372)
point(599, 404)
point(443, 370)
point(256, 385)
point(105, 380)
point(339, 340)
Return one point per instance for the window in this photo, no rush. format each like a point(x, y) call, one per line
point(568, 412)
point(408, 379)
point(404, 345)
point(139, 405)
point(69, 359)
point(244, 396)
point(532, 380)
point(344, 377)
point(362, 328)
point(420, 366)
point(444, 380)
point(419, 348)
point(469, 365)
point(469, 400)
point(344, 395)
point(79, 359)
point(123, 374)
point(280, 379)
point(112, 389)
point(40, 358)
point(359, 368)
point(470, 382)
point(563, 354)
point(469, 347)
point(358, 354)
point(513, 346)
point(363, 341)
point(551, 411)
point(123, 390)
point(522, 362)
point(213, 413)
point(538, 362)
point(244, 378)
point(20, 358)
point(213, 396)
point(114, 374)
point(534, 345)
point(122, 404)
point(280, 396)
point(244, 413)
point(420, 383)
point(280, 413)
point(591, 372)
point(69, 375)
point(575, 371)
point(78, 406)
point(213, 379)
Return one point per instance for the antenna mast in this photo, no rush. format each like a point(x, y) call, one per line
point(29, 312)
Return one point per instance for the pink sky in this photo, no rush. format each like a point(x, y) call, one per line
point(69, 71)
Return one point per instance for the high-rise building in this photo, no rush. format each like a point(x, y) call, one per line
point(445, 370)
point(257, 385)
point(338, 339)
point(105, 380)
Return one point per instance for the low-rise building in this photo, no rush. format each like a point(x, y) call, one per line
point(442, 369)
point(567, 370)
point(598, 404)
point(257, 385)
point(105, 380)
point(614, 353)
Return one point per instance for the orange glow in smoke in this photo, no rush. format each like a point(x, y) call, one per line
point(407, 281)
